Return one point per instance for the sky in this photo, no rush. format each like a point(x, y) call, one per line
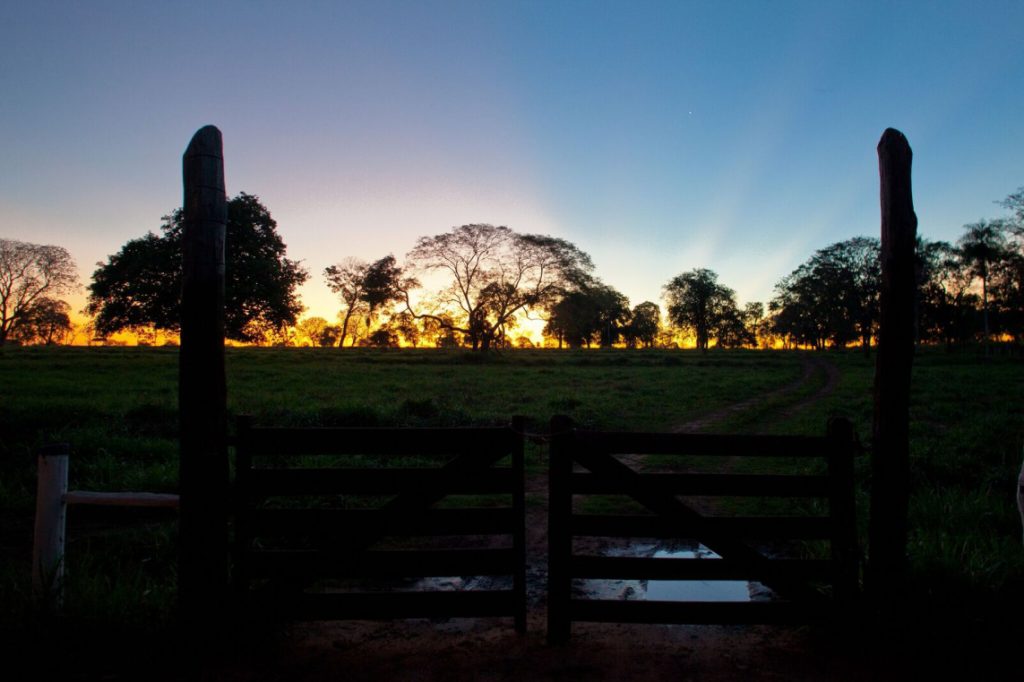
point(656, 136)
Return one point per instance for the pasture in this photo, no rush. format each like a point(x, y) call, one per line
point(118, 409)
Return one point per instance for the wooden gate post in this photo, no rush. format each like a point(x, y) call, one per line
point(51, 513)
point(890, 456)
point(559, 541)
point(202, 387)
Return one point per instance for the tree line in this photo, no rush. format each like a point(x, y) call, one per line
point(477, 286)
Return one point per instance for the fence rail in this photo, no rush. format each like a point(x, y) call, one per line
point(52, 501)
point(353, 506)
point(332, 504)
point(592, 463)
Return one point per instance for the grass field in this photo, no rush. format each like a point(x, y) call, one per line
point(117, 408)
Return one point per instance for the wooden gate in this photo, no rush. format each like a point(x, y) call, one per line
point(347, 523)
point(686, 501)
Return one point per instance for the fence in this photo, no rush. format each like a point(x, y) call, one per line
point(375, 509)
point(750, 548)
point(52, 501)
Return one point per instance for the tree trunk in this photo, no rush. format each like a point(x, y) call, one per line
point(890, 458)
point(202, 394)
point(344, 328)
point(984, 311)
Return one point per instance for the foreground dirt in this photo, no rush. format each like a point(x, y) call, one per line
point(490, 650)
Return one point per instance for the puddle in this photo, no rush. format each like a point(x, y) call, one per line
point(629, 590)
point(695, 590)
point(671, 590)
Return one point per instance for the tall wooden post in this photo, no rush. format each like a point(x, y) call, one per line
point(890, 458)
point(559, 543)
point(202, 392)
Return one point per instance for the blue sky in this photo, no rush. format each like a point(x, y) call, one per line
point(658, 137)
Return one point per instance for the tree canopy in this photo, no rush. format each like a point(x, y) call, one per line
point(364, 288)
point(140, 285)
point(30, 276)
point(493, 275)
point(982, 246)
point(644, 325)
point(698, 304)
point(832, 297)
point(591, 311)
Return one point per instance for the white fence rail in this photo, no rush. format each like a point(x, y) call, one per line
point(52, 501)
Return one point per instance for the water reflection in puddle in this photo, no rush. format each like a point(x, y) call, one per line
point(695, 590)
point(671, 590)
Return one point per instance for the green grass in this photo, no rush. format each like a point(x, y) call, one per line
point(118, 409)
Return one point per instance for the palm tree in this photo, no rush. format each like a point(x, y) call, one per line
point(982, 245)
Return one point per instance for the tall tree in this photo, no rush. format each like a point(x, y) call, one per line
point(982, 245)
point(590, 312)
point(753, 316)
point(494, 275)
point(698, 304)
point(140, 286)
point(644, 325)
point(832, 297)
point(364, 288)
point(30, 273)
point(734, 329)
point(1007, 282)
point(346, 279)
point(946, 307)
point(48, 322)
point(1015, 203)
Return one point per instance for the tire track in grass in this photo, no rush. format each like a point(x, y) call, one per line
point(812, 367)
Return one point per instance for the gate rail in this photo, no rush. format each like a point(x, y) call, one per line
point(375, 491)
point(752, 548)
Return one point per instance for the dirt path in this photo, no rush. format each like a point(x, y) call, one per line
point(811, 367)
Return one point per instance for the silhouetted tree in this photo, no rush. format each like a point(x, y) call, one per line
point(1015, 203)
point(591, 312)
point(644, 325)
point(330, 336)
point(833, 297)
point(385, 337)
point(346, 279)
point(733, 330)
point(30, 274)
point(405, 325)
point(982, 246)
point(754, 319)
point(698, 304)
point(364, 288)
point(140, 286)
point(47, 322)
point(495, 275)
point(1007, 288)
point(946, 307)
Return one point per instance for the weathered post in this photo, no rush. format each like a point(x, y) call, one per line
point(842, 509)
point(202, 390)
point(519, 534)
point(559, 542)
point(51, 515)
point(890, 458)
